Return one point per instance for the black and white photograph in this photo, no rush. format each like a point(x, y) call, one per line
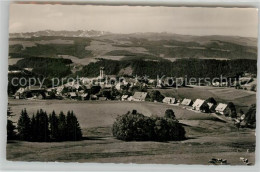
point(132, 84)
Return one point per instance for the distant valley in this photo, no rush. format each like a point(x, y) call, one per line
point(84, 47)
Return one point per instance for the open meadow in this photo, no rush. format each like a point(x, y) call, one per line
point(207, 136)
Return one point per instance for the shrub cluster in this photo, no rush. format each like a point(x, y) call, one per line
point(136, 126)
point(42, 128)
point(250, 118)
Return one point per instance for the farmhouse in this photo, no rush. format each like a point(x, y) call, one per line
point(72, 95)
point(139, 96)
point(84, 96)
point(93, 97)
point(169, 100)
point(19, 93)
point(124, 97)
point(186, 102)
point(221, 108)
point(198, 104)
point(30, 92)
point(130, 98)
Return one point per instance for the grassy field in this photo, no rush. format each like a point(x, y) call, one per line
point(207, 136)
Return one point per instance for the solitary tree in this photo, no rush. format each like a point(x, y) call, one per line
point(134, 112)
point(232, 110)
point(24, 126)
point(253, 87)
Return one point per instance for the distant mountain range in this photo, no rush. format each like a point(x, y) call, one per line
point(79, 33)
point(245, 41)
point(99, 44)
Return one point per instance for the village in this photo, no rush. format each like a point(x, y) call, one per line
point(105, 88)
point(130, 84)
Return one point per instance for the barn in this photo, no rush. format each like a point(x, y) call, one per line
point(169, 100)
point(139, 96)
point(221, 108)
point(186, 102)
point(124, 97)
point(198, 104)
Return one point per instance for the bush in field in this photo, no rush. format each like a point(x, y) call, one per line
point(132, 127)
point(168, 129)
point(138, 127)
point(24, 126)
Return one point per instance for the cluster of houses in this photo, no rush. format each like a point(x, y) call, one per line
point(82, 91)
point(85, 89)
point(198, 105)
point(76, 89)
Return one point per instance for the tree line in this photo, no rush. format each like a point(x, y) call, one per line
point(197, 68)
point(44, 128)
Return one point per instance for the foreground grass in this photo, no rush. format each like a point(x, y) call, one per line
point(100, 146)
point(207, 137)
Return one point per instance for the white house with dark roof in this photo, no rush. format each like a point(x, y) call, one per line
point(221, 108)
point(169, 100)
point(130, 98)
point(198, 103)
point(124, 97)
point(186, 102)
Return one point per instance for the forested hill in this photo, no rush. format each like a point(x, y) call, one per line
point(165, 45)
point(179, 68)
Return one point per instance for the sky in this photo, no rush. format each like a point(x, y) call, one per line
point(131, 19)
